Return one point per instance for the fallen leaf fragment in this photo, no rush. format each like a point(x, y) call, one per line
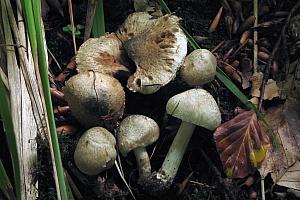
point(291, 178)
point(280, 161)
point(256, 83)
point(271, 90)
point(242, 143)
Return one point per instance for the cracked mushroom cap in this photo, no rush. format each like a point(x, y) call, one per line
point(135, 24)
point(95, 99)
point(136, 131)
point(104, 54)
point(199, 67)
point(158, 53)
point(95, 151)
point(195, 106)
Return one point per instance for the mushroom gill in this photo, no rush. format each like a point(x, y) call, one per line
point(158, 53)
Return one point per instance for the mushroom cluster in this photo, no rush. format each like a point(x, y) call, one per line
point(157, 48)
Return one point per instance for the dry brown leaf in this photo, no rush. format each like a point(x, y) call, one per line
point(280, 162)
point(242, 143)
point(291, 178)
point(256, 83)
point(271, 90)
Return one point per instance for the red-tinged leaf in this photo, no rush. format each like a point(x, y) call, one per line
point(242, 143)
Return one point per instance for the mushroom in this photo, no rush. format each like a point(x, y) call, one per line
point(195, 107)
point(104, 54)
point(199, 67)
point(158, 52)
point(95, 99)
point(135, 24)
point(95, 151)
point(135, 133)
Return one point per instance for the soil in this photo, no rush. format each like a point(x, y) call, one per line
point(201, 165)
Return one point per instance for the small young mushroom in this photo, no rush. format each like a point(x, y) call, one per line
point(195, 107)
point(158, 52)
point(95, 99)
point(95, 151)
point(104, 54)
point(135, 133)
point(199, 67)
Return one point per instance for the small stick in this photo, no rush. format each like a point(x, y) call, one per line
point(216, 21)
point(218, 46)
point(274, 51)
point(72, 24)
point(262, 187)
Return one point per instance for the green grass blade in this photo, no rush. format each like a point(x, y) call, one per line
point(6, 116)
point(46, 88)
point(5, 184)
point(98, 28)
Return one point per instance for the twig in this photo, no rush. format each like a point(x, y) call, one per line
point(274, 51)
point(55, 60)
point(72, 24)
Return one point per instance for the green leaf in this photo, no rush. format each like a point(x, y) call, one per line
point(66, 29)
point(32, 9)
point(5, 184)
point(98, 28)
point(77, 33)
point(79, 27)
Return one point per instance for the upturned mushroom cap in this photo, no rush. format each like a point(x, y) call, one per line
point(95, 99)
point(195, 106)
point(95, 151)
point(199, 67)
point(104, 54)
point(136, 131)
point(157, 53)
point(135, 24)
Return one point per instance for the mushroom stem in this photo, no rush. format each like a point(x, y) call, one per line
point(175, 154)
point(143, 161)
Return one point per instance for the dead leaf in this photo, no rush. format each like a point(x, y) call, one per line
point(291, 86)
point(256, 83)
point(291, 178)
point(271, 90)
point(242, 143)
point(280, 161)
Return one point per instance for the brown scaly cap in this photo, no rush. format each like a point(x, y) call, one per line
point(104, 54)
point(158, 52)
point(95, 99)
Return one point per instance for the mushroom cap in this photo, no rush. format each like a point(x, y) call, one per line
point(195, 106)
point(136, 131)
point(135, 24)
point(104, 54)
point(199, 67)
point(95, 151)
point(157, 53)
point(95, 99)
